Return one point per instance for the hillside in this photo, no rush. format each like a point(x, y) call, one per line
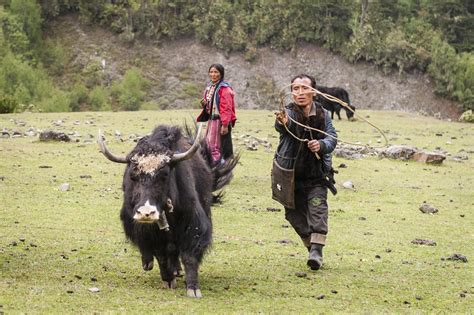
point(177, 71)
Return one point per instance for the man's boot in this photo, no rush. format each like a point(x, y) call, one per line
point(315, 260)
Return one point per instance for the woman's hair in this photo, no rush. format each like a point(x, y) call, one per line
point(302, 76)
point(219, 68)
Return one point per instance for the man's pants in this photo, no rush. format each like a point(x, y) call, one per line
point(310, 216)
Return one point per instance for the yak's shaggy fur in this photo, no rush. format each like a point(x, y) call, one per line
point(331, 106)
point(188, 185)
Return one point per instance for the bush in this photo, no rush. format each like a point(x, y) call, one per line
point(130, 92)
point(99, 99)
point(93, 73)
point(467, 116)
point(8, 104)
point(79, 97)
point(57, 102)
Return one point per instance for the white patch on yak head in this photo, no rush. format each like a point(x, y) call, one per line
point(147, 213)
point(150, 163)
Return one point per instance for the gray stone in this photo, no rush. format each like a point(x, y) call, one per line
point(426, 208)
point(399, 152)
point(64, 187)
point(348, 184)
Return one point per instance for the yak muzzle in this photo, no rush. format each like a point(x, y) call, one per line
point(150, 214)
point(147, 213)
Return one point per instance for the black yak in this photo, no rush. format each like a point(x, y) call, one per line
point(166, 212)
point(331, 106)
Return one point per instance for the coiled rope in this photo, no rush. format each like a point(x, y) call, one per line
point(282, 96)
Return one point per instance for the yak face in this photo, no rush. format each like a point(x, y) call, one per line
point(148, 173)
point(350, 114)
point(150, 179)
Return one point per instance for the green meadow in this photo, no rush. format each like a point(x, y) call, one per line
point(55, 245)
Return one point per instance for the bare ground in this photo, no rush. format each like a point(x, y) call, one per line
point(171, 64)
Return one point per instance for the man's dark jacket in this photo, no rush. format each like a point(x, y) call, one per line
point(294, 154)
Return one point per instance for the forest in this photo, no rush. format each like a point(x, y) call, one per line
point(433, 37)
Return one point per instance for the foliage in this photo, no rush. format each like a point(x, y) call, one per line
point(467, 116)
point(99, 99)
point(130, 92)
point(8, 104)
point(396, 35)
point(23, 79)
point(79, 97)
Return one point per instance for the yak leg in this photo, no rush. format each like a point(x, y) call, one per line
point(191, 266)
point(338, 112)
point(175, 265)
point(173, 257)
point(147, 260)
point(169, 281)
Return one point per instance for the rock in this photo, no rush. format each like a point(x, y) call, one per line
point(429, 157)
point(426, 208)
point(457, 257)
point(348, 185)
point(273, 209)
point(64, 187)
point(352, 152)
point(300, 274)
point(399, 152)
point(423, 242)
point(54, 136)
point(94, 290)
point(17, 134)
point(252, 146)
point(461, 156)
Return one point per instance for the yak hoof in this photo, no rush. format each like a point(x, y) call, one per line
point(194, 293)
point(178, 273)
point(147, 266)
point(170, 284)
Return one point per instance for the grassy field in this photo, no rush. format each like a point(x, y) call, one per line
point(56, 245)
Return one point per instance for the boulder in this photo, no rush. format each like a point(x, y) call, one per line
point(429, 157)
point(399, 152)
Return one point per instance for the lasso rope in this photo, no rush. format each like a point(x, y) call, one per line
point(333, 99)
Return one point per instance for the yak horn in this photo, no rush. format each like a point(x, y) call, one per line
point(107, 153)
point(177, 157)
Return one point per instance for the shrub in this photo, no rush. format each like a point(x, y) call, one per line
point(57, 102)
point(467, 116)
point(99, 99)
point(8, 104)
point(130, 92)
point(79, 97)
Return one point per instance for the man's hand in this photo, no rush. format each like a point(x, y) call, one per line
point(281, 117)
point(202, 102)
point(224, 130)
point(314, 146)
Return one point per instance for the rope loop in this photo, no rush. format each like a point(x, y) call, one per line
point(283, 94)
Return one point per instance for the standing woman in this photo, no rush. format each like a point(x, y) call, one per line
point(218, 108)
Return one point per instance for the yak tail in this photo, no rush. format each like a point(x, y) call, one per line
point(223, 172)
